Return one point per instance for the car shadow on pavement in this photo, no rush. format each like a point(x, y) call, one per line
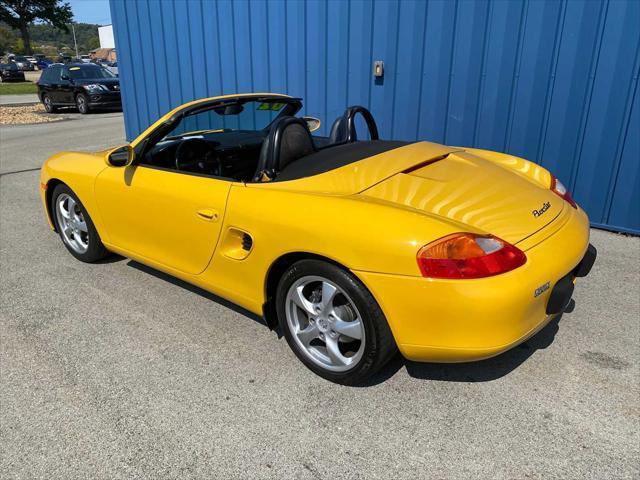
point(111, 258)
point(196, 290)
point(480, 371)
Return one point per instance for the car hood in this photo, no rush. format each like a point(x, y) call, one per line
point(474, 192)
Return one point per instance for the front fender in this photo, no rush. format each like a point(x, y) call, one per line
point(78, 171)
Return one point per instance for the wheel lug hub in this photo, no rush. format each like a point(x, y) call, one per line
point(323, 324)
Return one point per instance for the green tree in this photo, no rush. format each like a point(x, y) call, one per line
point(7, 40)
point(92, 43)
point(20, 13)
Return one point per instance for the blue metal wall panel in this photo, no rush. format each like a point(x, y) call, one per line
point(555, 81)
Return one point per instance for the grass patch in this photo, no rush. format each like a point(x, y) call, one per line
point(17, 88)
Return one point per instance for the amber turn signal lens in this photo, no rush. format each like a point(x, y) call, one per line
point(468, 255)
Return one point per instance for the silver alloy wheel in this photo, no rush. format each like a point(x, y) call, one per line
point(81, 103)
point(72, 223)
point(325, 323)
point(47, 104)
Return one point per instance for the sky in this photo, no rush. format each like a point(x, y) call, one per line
point(91, 11)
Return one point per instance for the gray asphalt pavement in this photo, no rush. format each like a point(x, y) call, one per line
point(117, 371)
point(25, 147)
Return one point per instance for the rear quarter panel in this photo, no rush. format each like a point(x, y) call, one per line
point(525, 168)
point(358, 233)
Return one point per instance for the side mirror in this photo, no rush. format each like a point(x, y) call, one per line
point(121, 156)
point(313, 123)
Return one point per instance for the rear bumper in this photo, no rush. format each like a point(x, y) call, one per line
point(463, 320)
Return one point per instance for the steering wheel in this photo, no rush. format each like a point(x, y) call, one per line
point(197, 155)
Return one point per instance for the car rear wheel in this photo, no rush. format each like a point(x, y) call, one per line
point(82, 102)
point(48, 104)
point(75, 227)
point(332, 322)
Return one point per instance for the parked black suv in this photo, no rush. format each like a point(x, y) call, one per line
point(9, 72)
point(86, 86)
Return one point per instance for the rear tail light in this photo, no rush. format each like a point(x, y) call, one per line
point(468, 255)
point(559, 189)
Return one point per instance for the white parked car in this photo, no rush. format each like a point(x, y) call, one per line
point(113, 68)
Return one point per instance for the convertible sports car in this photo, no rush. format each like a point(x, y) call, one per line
point(354, 248)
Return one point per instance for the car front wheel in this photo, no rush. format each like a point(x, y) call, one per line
point(75, 227)
point(82, 102)
point(332, 322)
point(48, 104)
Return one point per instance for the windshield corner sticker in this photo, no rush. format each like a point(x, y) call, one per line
point(275, 107)
point(545, 206)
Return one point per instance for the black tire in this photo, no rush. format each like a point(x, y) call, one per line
point(380, 345)
point(82, 102)
point(96, 250)
point(48, 104)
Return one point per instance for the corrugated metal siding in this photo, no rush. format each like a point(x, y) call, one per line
point(552, 81)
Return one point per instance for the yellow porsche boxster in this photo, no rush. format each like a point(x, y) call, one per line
point(353, 248)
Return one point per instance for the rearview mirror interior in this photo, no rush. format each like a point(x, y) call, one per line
point(313, 123)
point(233, 109)
point(64, 77)
point(121, 157)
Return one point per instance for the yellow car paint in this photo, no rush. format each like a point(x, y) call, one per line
point(474, 319)
point(369, 216)
point(169, 217)
point(471, 190)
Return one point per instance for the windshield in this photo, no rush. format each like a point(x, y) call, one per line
point(89, 73)
point(252, 115)
point(9, 66)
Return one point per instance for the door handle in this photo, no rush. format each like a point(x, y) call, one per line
point(208, 214)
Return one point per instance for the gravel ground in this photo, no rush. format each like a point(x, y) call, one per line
point(117, 371)
point(26, 115)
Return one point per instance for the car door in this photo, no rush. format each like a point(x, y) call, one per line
point(58, 85)
point(65, 87)
point(47, 82)
point(170, 217)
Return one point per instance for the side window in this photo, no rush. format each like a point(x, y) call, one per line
point(46, 75)
point(54, 74)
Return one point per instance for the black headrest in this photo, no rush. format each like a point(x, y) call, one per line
point(288, 140)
